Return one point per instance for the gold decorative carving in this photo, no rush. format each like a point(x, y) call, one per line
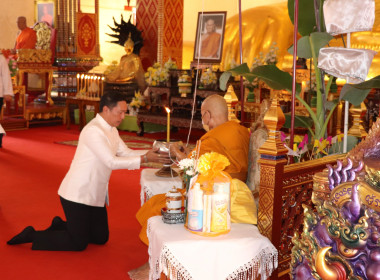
point(357, 114)
point(274, 119)
point(368, 195)
point(34, 56)
point(267, 175)
point(43, 32)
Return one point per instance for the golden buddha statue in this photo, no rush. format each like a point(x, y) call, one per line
point(129, 69)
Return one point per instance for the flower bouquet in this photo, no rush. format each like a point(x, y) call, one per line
point(137, 102)
point(303, 149)
point(208, 80)
point(12, 62)
point(208, 194)
point(157, 75)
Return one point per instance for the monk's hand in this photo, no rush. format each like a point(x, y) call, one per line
point(155, 156)
point(8, 98)
point(177, 151)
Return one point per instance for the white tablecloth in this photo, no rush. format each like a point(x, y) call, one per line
point(174, 250)
point(152, 184)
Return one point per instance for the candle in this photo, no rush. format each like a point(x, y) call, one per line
point(81, 82)
point(102, 85)
point(168, 126)
point(78, 83)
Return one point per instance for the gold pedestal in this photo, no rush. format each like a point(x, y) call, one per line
point(163, 147)
point(166, 171)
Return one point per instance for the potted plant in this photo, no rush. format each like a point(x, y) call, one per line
point(308, 47)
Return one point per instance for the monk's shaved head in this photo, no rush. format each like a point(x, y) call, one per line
point(21, 22)
point(217, 108)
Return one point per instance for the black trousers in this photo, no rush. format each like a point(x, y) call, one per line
point(84, 224)
point(1, 103)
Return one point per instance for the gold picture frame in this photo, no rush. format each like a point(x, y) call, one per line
point(45, 11)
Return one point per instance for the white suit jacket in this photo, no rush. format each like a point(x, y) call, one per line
point(100, 150)
point(5, 78)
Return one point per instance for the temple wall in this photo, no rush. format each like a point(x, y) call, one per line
point(11, 10)
point(109, 9)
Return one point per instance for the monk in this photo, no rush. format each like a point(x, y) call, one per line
point(210, 41)
point(225, 137)
point(27, 37)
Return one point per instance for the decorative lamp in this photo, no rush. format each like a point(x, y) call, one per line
point(349, 64)
point(346, 16)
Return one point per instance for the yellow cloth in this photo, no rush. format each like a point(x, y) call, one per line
point(231, 140)
point(26, 39)
point(210, 45)
point(243, 207)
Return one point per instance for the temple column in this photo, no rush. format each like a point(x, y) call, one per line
point(272, 161)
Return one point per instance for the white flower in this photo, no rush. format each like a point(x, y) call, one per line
point(190, 172)
point(186, 163)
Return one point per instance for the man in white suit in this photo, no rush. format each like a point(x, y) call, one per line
point(84, 190)
point(6, 89)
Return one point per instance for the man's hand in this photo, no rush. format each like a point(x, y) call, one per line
point(155, 156)
point(8, 98)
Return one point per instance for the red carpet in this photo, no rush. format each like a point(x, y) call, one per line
point(32, 166)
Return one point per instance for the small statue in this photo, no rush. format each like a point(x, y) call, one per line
point(129, 69)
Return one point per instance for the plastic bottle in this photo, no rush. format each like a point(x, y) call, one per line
point(195, 211)
point(219, 216)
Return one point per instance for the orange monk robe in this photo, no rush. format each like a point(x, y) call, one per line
point(231, 140)
point(26, 39)
point(210, 45)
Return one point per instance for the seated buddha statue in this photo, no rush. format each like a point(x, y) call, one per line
point(129, 69)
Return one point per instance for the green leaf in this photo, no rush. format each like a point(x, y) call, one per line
point(299, 121)
point(241, 70)
point(318, 39)
point(338, 146)
point(223, 80)
point(331, 104)
point(372, 83)
point(303, 48)
point(275, 78)
point(270, 74)
point(306, 16)
point(353, 95)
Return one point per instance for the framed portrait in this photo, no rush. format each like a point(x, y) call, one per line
point(209, 36)
point(44, 11)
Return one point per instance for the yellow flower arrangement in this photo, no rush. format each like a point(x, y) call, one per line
point(156, 75)
point(170, 64)
point(210, 164)
point(138, 100)
point(208, 78)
